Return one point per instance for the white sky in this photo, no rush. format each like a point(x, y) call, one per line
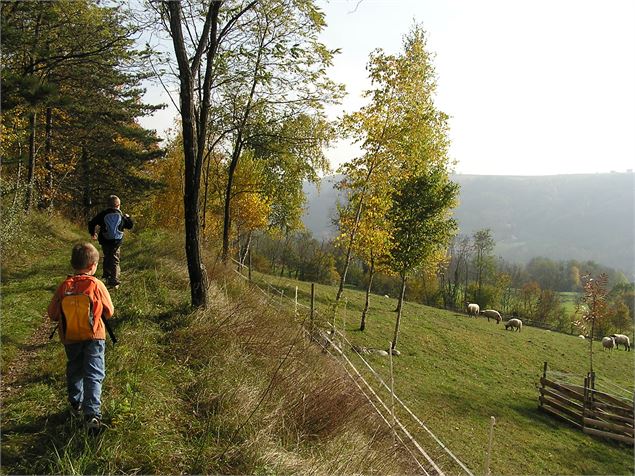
point(532, 87)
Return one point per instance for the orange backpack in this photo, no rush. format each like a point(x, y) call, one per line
point(78, 319)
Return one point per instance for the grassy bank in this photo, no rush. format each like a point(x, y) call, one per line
point(455, 372)
point(235, 389)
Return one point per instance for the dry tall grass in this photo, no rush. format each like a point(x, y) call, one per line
point(265, 399)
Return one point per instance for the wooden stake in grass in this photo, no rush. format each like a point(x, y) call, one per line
point(392, 387)
point(295, 307)
point(312, 304)
point(489, 446)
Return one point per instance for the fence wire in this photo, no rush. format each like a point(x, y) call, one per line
point(443, 458)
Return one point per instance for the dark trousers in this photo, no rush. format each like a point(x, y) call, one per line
point(111, 263)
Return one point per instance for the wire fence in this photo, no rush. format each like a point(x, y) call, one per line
point(431, 455)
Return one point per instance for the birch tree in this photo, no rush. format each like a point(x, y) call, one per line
point(400, 130)
point(421, 225)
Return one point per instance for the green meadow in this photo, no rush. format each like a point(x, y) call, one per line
point(455, 372)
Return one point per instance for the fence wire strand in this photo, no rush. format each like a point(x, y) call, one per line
point(372, 370)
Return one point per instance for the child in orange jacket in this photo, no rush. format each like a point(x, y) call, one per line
point(79, 305)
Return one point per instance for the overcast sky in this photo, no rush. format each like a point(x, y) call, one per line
point(532, 87)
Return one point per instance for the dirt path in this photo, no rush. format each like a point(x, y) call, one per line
point(14, 376)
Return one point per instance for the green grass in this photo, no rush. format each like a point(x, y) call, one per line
point(455, 372)
point(28, 261)
point(234, 389)
point(568, 300)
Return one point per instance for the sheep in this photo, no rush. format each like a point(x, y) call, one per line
point(492, 314)
point(622, 339)
point(608, 343)
point(473, 309)
point(514, 324)
point(581, 336)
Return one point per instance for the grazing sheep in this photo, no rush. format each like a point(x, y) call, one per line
point(473, 309)
point(581, 336)
point(514, 324)
point(608, 343)
point(621, 339)
point(386, 296)
point(492, 314)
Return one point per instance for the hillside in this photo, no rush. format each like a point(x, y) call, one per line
point(238, 389)
point(582, 217)
point(455, 372)
point(233, 389)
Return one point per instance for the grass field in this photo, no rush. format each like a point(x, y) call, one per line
point(455, 372)
point(232, 389)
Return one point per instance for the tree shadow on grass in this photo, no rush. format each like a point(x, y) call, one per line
point(175, 318)
point(27, 447)
point(53, 269)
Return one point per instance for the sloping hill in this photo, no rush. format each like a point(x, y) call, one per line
point(583, 217)
point(455, 372)
point(233, 389)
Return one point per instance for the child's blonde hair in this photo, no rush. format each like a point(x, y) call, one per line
point(113, 201)
point(84, 255)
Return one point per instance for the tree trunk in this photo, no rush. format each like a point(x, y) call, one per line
point(349, 250)
point(465, 303)
point(18, 180)
point(399, 308)
point(187, 72)
point(246, 248)
point(30, 179)
point(371, 274)
point(238, 146)
point(48, 194)
point(227, 209)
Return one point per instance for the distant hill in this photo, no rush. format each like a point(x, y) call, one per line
point(583, 217)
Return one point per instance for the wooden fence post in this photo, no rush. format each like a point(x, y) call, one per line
point(585, 400)
point(392, 388)
point(312, 304)
point(295, 307)
point(542, 382)
point(249, 261)
point(488, 459)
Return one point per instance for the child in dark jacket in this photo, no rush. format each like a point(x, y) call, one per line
point(79, 306)
point(111, 223)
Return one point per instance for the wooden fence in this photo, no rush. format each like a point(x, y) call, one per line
point(594, 412)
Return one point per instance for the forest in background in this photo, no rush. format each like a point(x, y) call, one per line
point(252, 81)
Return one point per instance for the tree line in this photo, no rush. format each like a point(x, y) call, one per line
point(250, 82)
point(469, 272)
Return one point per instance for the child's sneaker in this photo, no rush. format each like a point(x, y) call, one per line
point(93, 424)
point(76, 409)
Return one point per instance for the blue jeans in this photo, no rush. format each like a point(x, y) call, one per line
point(85, 372)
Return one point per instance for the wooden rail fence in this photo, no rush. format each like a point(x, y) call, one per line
point(594, 412)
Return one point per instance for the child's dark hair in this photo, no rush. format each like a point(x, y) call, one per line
point(84, 256)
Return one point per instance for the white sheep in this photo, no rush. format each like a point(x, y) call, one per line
point(514, 324)
point(608, 343)
point(492, 314)
point(581, 336)
point(621, 339)
point(473, 309)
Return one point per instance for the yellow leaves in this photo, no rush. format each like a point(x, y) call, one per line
point(165, 208)
point(250, 211)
